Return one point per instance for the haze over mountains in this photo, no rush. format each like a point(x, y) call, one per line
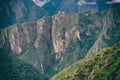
point(49, 35)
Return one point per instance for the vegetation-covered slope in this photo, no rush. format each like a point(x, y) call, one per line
point(13, 69)
point(103, 66)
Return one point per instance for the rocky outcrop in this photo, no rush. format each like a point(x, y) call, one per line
point(21, 36)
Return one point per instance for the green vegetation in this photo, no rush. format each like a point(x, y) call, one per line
point(103, 66)
point(13, 69)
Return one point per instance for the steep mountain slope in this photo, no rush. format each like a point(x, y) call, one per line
point(14, 69)
point(103, 66)
point(53, 43)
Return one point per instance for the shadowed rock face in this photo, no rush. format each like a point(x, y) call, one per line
point(55, 42)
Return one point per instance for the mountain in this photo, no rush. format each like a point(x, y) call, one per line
point(20, 11)
point(54, 42)
point(103, 66)
point(14, 69)
point(31, 42)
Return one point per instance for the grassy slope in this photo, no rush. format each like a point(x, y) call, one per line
point(104, 66)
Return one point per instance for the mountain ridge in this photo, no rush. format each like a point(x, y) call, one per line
point(27, 11)
point(53, 43)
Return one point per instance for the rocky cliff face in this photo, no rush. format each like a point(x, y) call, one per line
point(74, 34)
point(21, 36)
point(55, 42)
point(32, 41)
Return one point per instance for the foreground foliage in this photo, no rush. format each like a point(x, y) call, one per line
point(103, 66)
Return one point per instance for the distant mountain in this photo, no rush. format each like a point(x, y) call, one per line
point(54, 42)
point(20, 11)
point(103, 66)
